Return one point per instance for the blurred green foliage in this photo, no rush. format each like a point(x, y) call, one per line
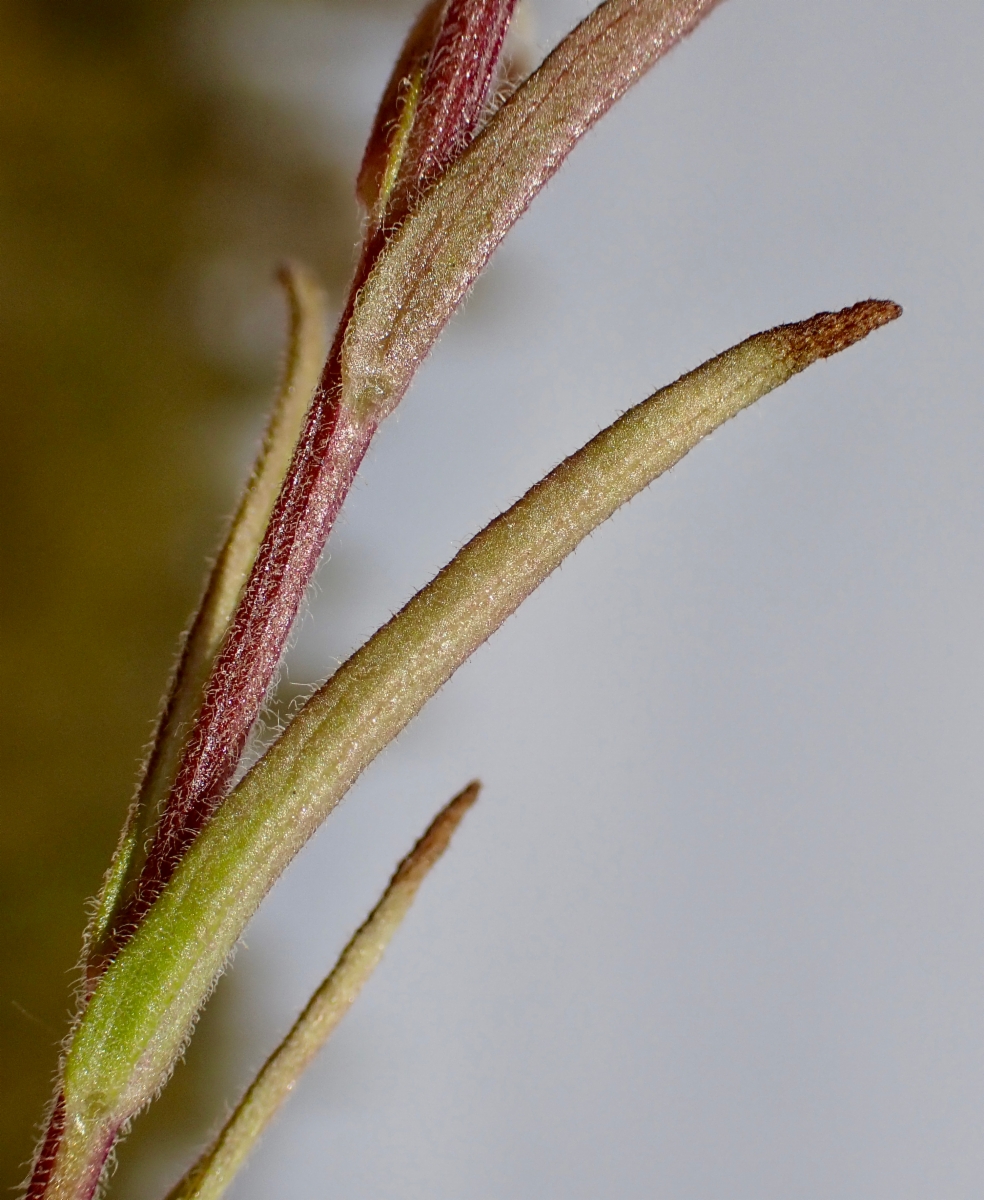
point(120, 175)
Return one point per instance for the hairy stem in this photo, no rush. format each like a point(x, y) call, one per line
point(307, 349)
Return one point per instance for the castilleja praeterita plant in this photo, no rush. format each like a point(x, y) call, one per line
point(452, 161)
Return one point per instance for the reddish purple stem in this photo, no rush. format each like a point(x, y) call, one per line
point(456, 85)
point(328, 454)
point(45, 1162)
point(460, 71)
point(44, 1165)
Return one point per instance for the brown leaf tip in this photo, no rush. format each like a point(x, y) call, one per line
point(829, 332)
point(437, 837)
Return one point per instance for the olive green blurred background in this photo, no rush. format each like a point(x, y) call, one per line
point(137, 190)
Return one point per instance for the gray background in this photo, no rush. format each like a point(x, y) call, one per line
point(714, 930)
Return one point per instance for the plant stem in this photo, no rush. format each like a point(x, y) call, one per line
point(306, 351)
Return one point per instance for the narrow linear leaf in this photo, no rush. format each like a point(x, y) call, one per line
point(307, 348)
point(427, 266)
point(141, 1013)
point(306, 354)
point(214, 1171)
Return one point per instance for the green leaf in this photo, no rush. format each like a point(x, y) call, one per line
point(139, 1017)
point(215, 1170)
